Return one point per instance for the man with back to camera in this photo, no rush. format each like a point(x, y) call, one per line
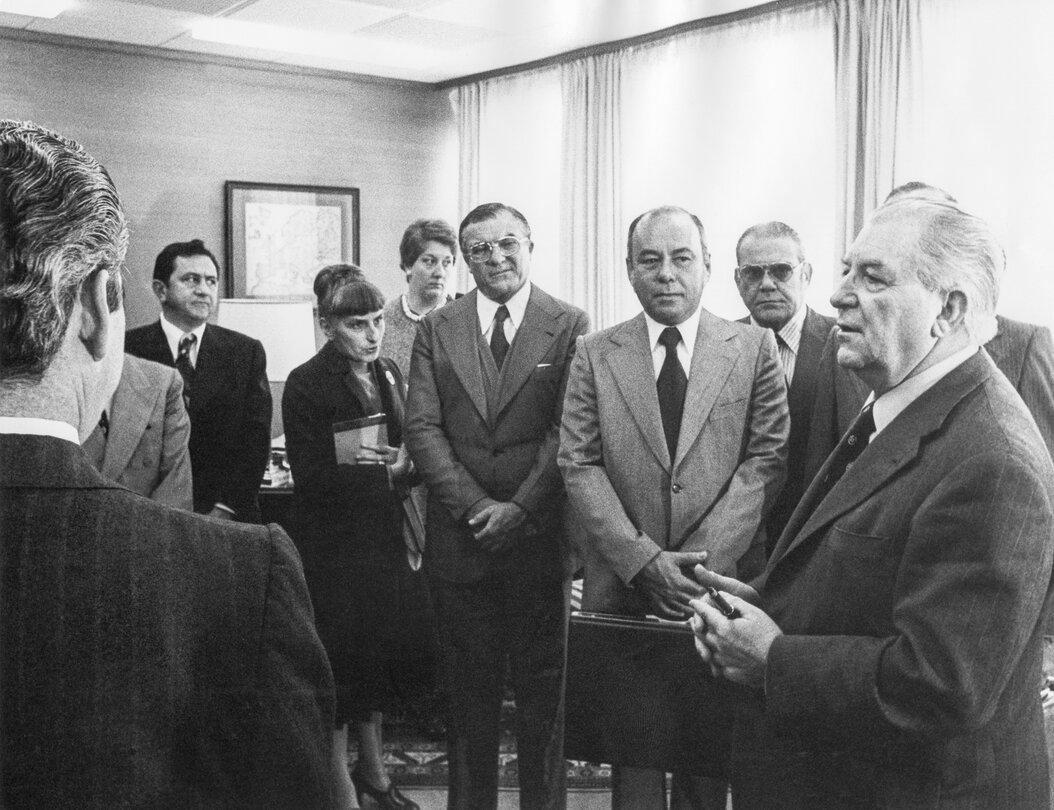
point(673, 445)
point(772, 277)
point(894, 659)
point(486, 388)
point(224, 383)
point(151, 658)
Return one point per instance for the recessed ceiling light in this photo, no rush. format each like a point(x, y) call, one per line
point(48, 9)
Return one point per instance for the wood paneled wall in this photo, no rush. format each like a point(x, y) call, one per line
point(171, 129)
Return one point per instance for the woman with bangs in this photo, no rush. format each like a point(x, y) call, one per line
point(371, 607)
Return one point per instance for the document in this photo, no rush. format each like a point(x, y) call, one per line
point(352, 439)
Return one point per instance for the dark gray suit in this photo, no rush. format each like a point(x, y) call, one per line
point(151, 657)
point(476, 433)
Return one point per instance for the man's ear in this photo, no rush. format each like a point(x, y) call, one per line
point(160, 289)
point(95, 314)
point(952, 314)
point(806, 272)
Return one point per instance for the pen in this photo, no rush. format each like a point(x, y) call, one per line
point(722, 603)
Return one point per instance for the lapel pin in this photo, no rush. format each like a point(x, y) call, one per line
point(388, 376)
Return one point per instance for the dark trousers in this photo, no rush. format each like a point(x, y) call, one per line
point(484, 626)
point(645, 789)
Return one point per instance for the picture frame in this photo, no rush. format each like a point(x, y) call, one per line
point(280, 236)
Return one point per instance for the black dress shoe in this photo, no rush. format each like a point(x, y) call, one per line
point(390, 799)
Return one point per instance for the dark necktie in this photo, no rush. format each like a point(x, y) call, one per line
point(183, 364)
point(672, 384)
point(848, 450)
point(104, 425)
point(499, 344)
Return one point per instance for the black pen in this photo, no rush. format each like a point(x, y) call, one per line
point(722, 603)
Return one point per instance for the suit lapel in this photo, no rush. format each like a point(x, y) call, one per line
point(633, 370)
point(533, 339)
point(893, 448)
point(133, 405)
point(208, 371)
point(458, 331)
point(803, 387)
point(712, 361)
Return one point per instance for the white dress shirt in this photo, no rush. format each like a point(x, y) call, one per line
point(174, 334)
point(688, 328)
point(517, 306)
point(790, 335)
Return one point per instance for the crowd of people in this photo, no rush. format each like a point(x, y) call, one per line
point(852, 516)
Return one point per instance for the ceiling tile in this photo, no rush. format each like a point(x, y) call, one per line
point(402, 5)
point(438, 34)
point(332, 17)
point(116, 22)
point(14, 20)
point(206, 7)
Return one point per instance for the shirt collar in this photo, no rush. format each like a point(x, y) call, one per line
point(892, 403)
point(792, 329)
point(517, 306)
point(413, 316)
point(173, 334)
point(688, 328)
point(35, 426)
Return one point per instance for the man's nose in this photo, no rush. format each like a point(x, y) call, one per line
point(666, 270)
point(842, 296)
point(767, 281)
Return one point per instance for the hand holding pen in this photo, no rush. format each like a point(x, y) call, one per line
point(733, 637)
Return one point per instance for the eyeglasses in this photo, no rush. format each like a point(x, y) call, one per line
point(754, 273)
point(507, 246)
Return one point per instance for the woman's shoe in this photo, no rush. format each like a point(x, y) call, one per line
point(390, 799)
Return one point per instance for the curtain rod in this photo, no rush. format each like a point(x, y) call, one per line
point(642, 39)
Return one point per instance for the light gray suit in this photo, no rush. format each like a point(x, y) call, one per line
point(629, 500)
point(146, 449)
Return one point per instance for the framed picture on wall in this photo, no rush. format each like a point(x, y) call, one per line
point(279, 237)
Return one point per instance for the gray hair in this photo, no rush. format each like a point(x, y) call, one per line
point(957, 251)
point(771, 230)
point(60, 223)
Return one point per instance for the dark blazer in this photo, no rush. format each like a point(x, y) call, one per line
point(230, 415)
point(801, 397)
point(146, 450)
point(911, 601)
point(1022, 351)
point(467, 449)
point(151, 657)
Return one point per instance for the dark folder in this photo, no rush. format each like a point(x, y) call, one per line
point(638, 694)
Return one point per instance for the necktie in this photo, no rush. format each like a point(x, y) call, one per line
point(672, 384)
point(848, 450)
point(499, 344)
point(104, 425)
point(786, 357)
point(183, 364)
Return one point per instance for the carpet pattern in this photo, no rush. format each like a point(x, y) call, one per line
point(413, 760)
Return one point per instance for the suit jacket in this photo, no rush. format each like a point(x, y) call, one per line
point(801, 397)
point(911, 600)
point(467, 448)
point(146, 449)
point(1022, 351)
point(230, 415)
point(151, 657)
point(630, 500)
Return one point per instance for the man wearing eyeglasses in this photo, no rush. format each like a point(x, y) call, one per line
point(772, 277)
point(672, 449)
point(224, 383)
point(487, 379)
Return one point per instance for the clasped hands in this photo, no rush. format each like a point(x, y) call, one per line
point(736, 648)
point(494, 524)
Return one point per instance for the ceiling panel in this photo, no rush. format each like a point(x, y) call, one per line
point(117, 22)
point(332, 17)
point(14, 20)
point(401, 5)
point(436, 34)
point(206, 7)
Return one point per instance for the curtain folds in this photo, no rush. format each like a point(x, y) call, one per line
point(466, 102)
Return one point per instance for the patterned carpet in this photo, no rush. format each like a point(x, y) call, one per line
point(413, 760)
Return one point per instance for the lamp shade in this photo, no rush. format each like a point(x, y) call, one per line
point(285, 328)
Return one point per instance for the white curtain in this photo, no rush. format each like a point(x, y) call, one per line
point(516, 160)
point(736, 123)
point(591, 199)
point(982, 128)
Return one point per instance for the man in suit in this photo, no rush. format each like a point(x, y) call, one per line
point(772, 277)
point(894, 658)
point(673, 447)
point(141, 441)
point(224, 383)
point(487, 379)
point(151, 657)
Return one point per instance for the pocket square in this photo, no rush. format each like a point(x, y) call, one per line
point(543, 365)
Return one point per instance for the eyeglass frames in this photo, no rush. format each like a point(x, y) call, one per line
point(507, 246)
point(780, 271)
